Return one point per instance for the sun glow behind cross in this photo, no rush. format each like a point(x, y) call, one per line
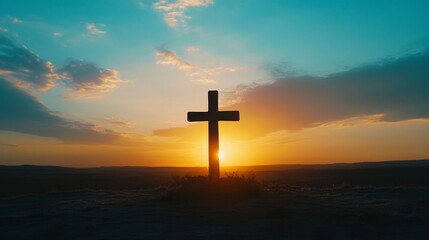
point(221, 155)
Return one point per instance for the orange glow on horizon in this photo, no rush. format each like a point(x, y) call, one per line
point(362, 141)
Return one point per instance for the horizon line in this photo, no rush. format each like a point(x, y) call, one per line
point(228, 166)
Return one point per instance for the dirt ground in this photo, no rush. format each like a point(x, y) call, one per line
point(280, 213)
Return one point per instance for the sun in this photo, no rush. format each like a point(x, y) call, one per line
point(221, 155)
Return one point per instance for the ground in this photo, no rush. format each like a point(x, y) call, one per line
point(289, 213)
point(381, 201)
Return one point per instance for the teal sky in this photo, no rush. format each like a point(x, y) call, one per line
point(162, 58)
point(313, 36)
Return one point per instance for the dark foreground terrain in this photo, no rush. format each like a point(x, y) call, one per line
point(375, 201)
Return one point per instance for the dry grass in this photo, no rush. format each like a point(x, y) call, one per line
point(231, 187)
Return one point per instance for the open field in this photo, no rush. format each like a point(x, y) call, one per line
point(298, 202)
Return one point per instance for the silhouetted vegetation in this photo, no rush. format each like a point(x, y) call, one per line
point(231, 187)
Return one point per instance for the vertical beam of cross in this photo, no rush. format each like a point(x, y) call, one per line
point(213, 136)
point(213, 116)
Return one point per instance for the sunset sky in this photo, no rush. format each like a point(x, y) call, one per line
point(109, 82)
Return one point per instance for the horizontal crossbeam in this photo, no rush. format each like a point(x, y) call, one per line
point(228, 116)
point(216, 116)
point(198, 116)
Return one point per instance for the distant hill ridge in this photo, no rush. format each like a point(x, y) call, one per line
point(280, 167)
point(31, 179)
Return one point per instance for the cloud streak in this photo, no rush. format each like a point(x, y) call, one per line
point(15, 20)
point(94, 29)
point(8, 145)
point(192, 49)
point(389, 91)
point(118, 122)
point(396, 90)
point(197, 73)
point(21, 112)
point(174, 11)
point(167, 57)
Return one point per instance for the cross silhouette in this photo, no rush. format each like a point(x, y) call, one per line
point(213, 116)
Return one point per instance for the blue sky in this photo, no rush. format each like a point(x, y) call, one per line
point(313, 36)
point(145, 63)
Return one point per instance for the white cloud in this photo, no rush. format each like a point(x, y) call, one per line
point(192, 49)
point(13, 19)
point(2, 29)
point(197, 73)
point(94, 29)
point(57, 34)
point(174, 11)
point(16, 20)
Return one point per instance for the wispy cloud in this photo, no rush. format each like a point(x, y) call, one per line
point(118, 122)
point(167, 57)
point(57, 34)
point(22, 66)
point(174, 11)
point(14, 19)
point(192, 49)
point(8, 145)
point(87, 79)
point(2, 29)
point(95, 29)
point(197, 73)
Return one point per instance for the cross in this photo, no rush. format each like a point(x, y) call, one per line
point(213, 116)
